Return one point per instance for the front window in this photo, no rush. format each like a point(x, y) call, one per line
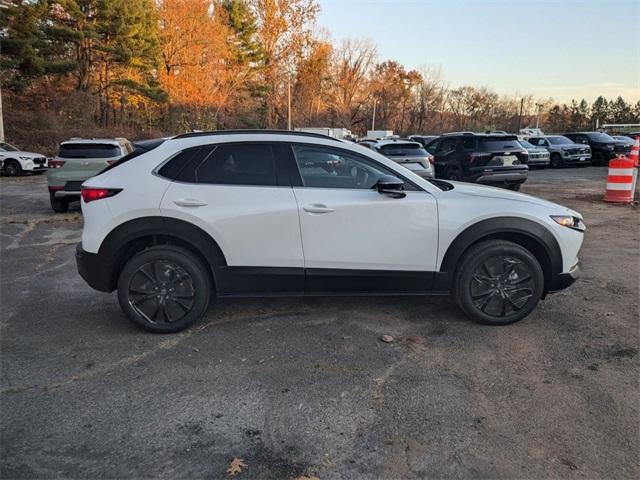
point(89, 150)
point(322, 167)
point(8, 147)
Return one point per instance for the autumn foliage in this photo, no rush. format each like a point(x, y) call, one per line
point(142, 68)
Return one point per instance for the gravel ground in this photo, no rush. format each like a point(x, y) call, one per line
point(304, 386)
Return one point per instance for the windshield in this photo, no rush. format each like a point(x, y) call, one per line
point(409, 149)
point(526, 144)
point(8, 148)
point(600, 137)
point(559, 140)
point(89, 150)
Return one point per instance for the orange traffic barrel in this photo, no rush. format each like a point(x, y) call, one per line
point(620, 180)
point(635, 152)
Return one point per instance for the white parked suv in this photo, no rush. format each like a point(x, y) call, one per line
point(262, 213)
point(16, 162)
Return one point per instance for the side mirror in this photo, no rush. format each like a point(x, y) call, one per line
point(392, 186)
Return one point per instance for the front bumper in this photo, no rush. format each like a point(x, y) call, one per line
point(564, 280)
point(577, 159)
point(94, 269)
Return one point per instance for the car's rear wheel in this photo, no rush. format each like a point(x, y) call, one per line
point(164, 289)
point(59, 205)
point(12, 168)
point(498, 282)
point(555, 160)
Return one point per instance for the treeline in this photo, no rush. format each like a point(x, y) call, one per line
point(141, 68)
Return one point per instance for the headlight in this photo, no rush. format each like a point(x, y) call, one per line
point(25, 158)
point(569, 221)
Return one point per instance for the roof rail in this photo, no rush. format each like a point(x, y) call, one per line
point(458, 133)
point(257, 131)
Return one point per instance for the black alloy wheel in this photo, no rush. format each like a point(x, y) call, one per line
point(164, 289)
point(498, 282)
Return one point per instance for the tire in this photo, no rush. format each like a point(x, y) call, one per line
point(12, 168)
point(555, 161)
point(598, 159)
point(164, 289)
point(498, 282)
point(59, 205)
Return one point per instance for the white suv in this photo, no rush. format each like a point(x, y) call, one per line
point(16, 162)
point(262, 213)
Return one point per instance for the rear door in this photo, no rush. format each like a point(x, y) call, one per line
point(240, 195)
point(354, 238)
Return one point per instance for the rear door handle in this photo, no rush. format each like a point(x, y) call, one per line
point(189, 202)
point(317, 208)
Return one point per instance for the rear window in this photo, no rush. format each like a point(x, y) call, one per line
point(89, 150)
point(403, 149)
point(499, 143)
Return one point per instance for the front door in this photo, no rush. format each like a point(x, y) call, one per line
point(355, 239)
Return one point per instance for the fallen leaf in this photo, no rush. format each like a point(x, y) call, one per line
point(236, 466)
point(387, 338)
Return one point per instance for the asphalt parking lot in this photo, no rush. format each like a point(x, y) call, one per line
point(305, 386)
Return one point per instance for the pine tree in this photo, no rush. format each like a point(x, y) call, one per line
point(599, 111)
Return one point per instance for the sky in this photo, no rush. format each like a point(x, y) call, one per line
point(560, 49)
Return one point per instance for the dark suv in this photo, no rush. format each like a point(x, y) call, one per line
point(495, 159)
point(603, 147)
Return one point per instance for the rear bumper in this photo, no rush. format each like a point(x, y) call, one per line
point(93, 268)
point(564, 280)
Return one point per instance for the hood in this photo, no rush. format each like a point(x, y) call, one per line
point(475, 190)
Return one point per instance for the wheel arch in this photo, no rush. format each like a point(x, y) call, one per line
point(135, 235)
point(528, 234)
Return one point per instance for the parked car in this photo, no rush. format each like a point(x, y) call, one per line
point(603, 147)
point(409, 154)
point(495, 159)
point(423, 139)
point(367, 142)
point(17, 162)
point(625, 140)
point(563, 151)
point(538, 156)
point(78, 160)
point(246, 213)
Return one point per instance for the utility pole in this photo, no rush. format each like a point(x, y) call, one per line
point(539, 107)
point(289, 103)
point(373, 117)
point(520, 116)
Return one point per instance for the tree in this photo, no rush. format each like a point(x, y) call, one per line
point(310, 89)
point(350, 67)
point(620, 111)
point(392, 87)
point(285, 32)
point(599, 111)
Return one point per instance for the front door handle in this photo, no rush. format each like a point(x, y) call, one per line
point(317, 208)
point(189, 202)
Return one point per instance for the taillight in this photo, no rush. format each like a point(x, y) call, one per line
point(56, 163)
point(432, 160)
point(91, 194)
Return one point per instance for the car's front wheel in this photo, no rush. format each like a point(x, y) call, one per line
point(12, 168)
point(556, 160)
point(164, 289)
point(498, 282)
